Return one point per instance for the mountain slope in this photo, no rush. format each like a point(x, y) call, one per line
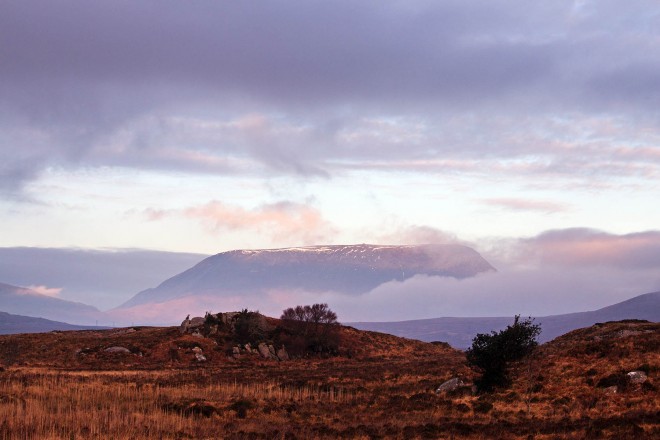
point(13, 324)
point(22, 301)
point(349, 269)
point(459, 331)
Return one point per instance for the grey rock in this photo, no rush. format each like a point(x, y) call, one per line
point(272, 352)
point(185, 324)
point(450, 385)
point(197, 350)
point(197, 322)
point(282, 354)
point(637, 377)
point(117, 350)
point(611, 390)
point(236, 351)
point(200, 357)
point(264, 351)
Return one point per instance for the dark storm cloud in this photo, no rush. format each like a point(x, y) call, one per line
point(311, 87)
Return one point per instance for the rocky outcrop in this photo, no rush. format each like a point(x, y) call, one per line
point(192, 325)
point(267, 351)
point(240, 326)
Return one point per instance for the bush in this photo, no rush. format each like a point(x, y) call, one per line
point(314, 328)
point(247, 327)
point(492, 353)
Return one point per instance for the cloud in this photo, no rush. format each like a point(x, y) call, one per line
point(48, 291)
point(406, 235)
point(283, 221)
point(587, 247)
point(101, 277)
point(309, 90)
point(527, 205)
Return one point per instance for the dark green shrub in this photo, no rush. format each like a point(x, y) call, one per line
point(491, 354)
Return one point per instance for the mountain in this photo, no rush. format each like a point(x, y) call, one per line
point(351, 269)
point(22, 301)
point(13, 324)
point(104, 277)
point(459, 332)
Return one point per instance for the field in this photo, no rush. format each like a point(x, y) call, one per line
point(62, 385)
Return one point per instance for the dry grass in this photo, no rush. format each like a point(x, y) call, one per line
point(385, 392)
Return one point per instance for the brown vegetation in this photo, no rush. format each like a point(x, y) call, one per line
point(64, 385)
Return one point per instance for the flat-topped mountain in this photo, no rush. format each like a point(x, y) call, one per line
point(348, 269)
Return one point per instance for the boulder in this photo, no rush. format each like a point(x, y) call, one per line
point(197, 322)
point(197, 350)
point(264, 351)
point(183, 328)
point(200, 357)
point(117, 349)
point(272, 352)
point(236, 351)
point(611, 390)
point(450, 385)
point(637, 377)
point(282, 354)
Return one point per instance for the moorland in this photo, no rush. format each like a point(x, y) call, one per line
point(150, 382)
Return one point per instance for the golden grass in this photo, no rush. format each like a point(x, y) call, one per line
point(382, 396)
point(38, 404)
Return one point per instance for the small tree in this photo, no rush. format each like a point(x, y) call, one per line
point(316, 325)
point(492, 353)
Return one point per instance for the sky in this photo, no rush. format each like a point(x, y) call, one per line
point(200, 127)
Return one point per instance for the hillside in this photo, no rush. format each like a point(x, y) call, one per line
point(159, 347)
point(379, 386)
point(348, 269)
point(458, 332)
point(11, 324)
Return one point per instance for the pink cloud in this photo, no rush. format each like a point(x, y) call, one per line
point(45, 290)
point(527, 205)
point(587, 247)
point(281, 221)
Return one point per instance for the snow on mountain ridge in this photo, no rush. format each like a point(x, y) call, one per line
point(350, 269)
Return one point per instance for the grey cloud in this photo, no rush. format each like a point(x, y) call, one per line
point(125, 83)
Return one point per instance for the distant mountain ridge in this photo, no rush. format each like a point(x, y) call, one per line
point(458, 332)
point(27, 302)
point(349, 269)
point(13, 324)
